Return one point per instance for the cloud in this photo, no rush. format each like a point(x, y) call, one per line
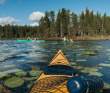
point(2, 1)
point(35, 24)
point(36, 16)
point(8, 20)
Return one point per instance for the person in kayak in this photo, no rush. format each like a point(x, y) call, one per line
point(36, 38)
point(64, 38)
point(28, 38)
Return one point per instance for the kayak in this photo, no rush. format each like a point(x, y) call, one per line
point(60, 77)
point(54, 78)
point(30, 40)
point(64, 40)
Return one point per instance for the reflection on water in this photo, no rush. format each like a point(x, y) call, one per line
point(24, 61)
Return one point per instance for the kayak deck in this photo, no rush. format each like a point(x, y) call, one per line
point(53, 84)
point(54, 80)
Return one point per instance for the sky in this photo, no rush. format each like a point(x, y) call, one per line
point(29, 12)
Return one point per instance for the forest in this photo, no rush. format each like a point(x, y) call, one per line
point(64, 23)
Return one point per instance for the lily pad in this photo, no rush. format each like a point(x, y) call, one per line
point(30, 78)
point(3, 89)
point(20, 73)
point(14, 82)
point(23, 54)
point(21, 60)
point(73, 63)
point(2, 58)
point(106, 86)
point(43, 60)
point(8, 66)
point(81, 60)
point(99, 67)
point(5, 77)
point(35, 73)
point(78, 67)
point(4, 73)
point(102, 64)
point(95, 74)
point(29, 85)
point(35, 68)
point(88, 70)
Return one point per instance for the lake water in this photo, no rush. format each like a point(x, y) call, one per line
point(22, 61)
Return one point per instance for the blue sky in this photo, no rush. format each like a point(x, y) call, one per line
point(29, 12)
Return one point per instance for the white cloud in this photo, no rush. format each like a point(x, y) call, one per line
point(35, 24)
point(36, 16)
point(8, 20)
point(2, 1)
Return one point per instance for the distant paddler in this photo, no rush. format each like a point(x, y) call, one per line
point(28, 38)
point(64, 39)
point(71, 40)
point(36, 38)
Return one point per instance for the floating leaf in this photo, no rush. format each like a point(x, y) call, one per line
point(102, 64)
point(4, 73)
point(2, 58)
point(8, 66)
point(99, 67)
point(20, 73)
point(35, 68)
point(72, 63)
point(14, 82)
point(78, 67)
point(29, 78)
point(5, 77)
point(23, 54)
point(35, 73)
point(21, 60)
point(88, 70)
point(43, 60)
point(81, 60)
point(106, 86)
point(29, 85)
point(95, 74)
point(3, 89)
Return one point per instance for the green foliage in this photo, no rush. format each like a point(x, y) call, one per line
point(65, 23)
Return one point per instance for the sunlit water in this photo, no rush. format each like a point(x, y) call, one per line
point(84, 56)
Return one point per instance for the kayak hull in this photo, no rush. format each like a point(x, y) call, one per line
point(30, 40)
point(54, 83)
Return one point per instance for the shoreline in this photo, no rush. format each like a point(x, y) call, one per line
point(74, 38)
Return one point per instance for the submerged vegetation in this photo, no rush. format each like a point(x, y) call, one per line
point(65, 23)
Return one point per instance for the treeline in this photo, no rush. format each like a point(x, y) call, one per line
point(65, 23)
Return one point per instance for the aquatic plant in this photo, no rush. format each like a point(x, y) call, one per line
point(4, 73)
point(20, 73)
point(29, 85)
point(35, 73)
point(106, 86)
point(81, 60)
point(35, 68)
point(72, 63)
point(6, 66)
point(78, 67)
point(3, 89)
point(29, 78)
point(102, 64)
point(2, 59)
point(95, 73)
point(91, 71)
point(14, 82)
point(5, 77)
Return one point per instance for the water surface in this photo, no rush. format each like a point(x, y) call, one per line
point(87, 57)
